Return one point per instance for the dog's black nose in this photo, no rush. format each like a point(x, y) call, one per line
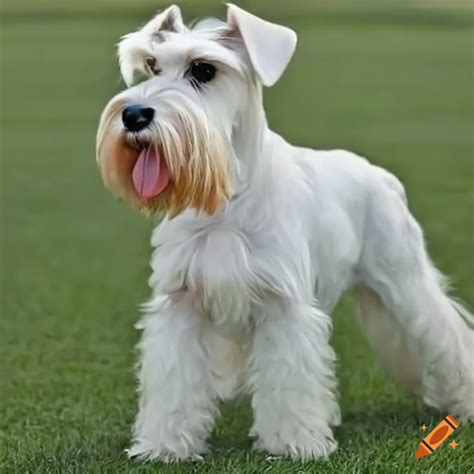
point(137, 117)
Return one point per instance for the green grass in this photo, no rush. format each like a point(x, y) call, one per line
point(392, 82)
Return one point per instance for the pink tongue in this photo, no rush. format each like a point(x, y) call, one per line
point(150, 174)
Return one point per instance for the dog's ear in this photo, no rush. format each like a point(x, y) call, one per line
point(269, 46)
point(167, 20)
point(133, 47)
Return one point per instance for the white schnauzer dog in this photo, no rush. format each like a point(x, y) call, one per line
point(257, 241)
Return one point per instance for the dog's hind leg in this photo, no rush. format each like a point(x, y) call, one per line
point(427, 324)
point(388, 340)
point(226, 362)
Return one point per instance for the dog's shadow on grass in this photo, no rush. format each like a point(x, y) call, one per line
point(231, 433)
point(384, 423)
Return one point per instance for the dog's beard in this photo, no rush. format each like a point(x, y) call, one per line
point(194, 151)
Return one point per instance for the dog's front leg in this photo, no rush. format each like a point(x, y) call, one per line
point(177, 408)
point(292, 375)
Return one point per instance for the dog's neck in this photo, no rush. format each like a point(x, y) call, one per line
point(251, 139)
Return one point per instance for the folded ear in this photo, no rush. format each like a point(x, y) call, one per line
point(168, 20)
point(269, 46)
point(133, 47)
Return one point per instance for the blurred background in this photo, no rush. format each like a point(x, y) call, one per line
point(392, 81)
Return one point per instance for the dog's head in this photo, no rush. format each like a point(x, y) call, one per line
point(171, 141)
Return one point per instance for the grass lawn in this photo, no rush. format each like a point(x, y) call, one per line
point(394, 83)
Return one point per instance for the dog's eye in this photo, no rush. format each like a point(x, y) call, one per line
point(150, 63)
point(202, 72)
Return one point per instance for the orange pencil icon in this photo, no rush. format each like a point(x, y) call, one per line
point(437, 437)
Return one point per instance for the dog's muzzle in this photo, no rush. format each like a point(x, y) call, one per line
point(164, 159)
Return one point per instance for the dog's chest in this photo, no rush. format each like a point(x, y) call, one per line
point(213, 271)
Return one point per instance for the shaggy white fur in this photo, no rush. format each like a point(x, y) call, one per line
point(242, 294)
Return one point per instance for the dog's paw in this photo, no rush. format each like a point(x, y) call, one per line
point(459, 404)
point(464, 405)
point(144, 451)
point(464, 413)
point(303, 444)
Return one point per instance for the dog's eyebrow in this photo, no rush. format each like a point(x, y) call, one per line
point(198, 54)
